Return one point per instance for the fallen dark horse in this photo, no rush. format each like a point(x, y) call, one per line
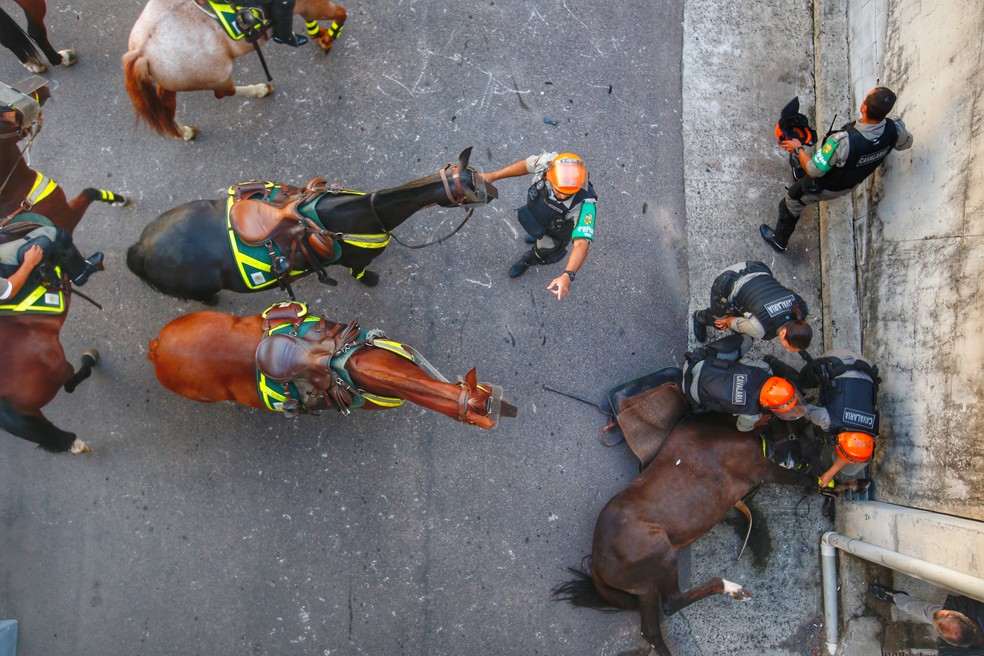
point(669, 505)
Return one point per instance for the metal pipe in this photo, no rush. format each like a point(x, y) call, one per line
point(828, 568)
point(937, 575)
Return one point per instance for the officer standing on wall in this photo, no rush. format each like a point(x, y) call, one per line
point(747, 299)
point(560, 207)
point(845, 160)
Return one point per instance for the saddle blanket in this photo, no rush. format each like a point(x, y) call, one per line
point(35, 300)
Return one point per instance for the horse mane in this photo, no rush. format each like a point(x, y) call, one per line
point(14, 38)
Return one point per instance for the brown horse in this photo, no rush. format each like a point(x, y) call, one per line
point(31, 345)
point(175, 46)
point(703, 468)
point(14, 38)
point(211, 356)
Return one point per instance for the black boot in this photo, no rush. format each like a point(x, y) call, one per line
point(291, 39)
point(769, 235)
point(700, 327)
point(92, 264)
point(523, 263)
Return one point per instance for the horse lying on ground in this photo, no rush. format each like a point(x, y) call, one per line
point(34, 360)
point(194, 250)
point(21, 44)
point(175, 46)
point(295, 362)
point(703, 468)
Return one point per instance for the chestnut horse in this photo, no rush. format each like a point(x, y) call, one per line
point(703, 468)
point(185, 252)
point(211, 356)
point(15, 39)
point(34, 360)
point(175, 46)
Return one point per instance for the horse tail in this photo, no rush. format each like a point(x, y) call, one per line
point(35, 429)
point(146, 96)
point(15, 39)
point(581, 590)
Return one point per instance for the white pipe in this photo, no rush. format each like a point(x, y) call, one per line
point(937, 575)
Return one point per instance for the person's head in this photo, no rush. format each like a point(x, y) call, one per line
point(957, 629)
point(795, 335)
point(878, 103)
point(779, 397)
point(567, 175)
point(855, 446)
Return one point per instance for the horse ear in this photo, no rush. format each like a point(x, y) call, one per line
point(471, 379)
point(464, 157)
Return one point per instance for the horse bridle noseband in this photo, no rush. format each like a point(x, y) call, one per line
point(455, 202)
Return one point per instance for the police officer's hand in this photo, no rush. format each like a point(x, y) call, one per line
point(790, 145)
point(32, 257)
point(723, 323)
point(560, 286)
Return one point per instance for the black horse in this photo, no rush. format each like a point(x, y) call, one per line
point(186, 251)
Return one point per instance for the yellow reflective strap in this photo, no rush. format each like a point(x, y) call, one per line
point(383, 401)
point(312, 28)
point(367, 241)
point(43, 186)
point(267, 393)
point(392, 347)
point(334, 30)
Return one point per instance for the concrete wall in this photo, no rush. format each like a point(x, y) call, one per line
point(921, 253)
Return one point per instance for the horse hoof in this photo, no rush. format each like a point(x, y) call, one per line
point(92, 355)
point(736, 591)
point(269, 90)
point(79, 447)
point(369, 278)
point(326, 43)
point(190, 132)
point(69, 58)
point(120, 201)
point(35, 67)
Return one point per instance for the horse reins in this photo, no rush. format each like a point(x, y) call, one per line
point(23, 206)
point(455, 202)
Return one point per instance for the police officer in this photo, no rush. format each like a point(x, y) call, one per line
point(281, 13)
point(847, 412)
point(747, 299)
point(560, 207)
point(716, 380)
point(20, 257)
point(845, 160)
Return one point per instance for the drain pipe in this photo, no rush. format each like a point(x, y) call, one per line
point(937, 575)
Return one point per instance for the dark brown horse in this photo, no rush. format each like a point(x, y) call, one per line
point(186, 251)
point(15, 39)
point(30, 343)
point(211, 356)
point(703, 468)
point(175, 46)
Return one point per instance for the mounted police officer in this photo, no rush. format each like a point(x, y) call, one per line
point(715, 379)
point(560, 207)
point(281, 14)
point(747, 299)
point(846, 159)
point(847, 414)
point(21, 257)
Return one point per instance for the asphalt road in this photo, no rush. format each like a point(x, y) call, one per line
point(216, 530)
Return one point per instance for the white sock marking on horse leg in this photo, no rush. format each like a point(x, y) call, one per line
point(736, 591)
point(255, 90)
point(78, 446)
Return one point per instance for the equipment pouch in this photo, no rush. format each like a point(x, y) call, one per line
point(530, 223)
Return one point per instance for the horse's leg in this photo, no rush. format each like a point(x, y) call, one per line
point(35, 12)
point(89, 360)
point(715, 586)
point(38, 429)
point(169, 100)
point(650, 614)
point(317, 10)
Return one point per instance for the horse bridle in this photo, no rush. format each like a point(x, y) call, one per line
point(463, 196)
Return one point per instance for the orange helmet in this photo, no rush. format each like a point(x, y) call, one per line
point(855, 447)
point(778, 395)
point(567, 173)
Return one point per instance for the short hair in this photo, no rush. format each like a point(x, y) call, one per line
point(956, 628)
point(799, 334)
point(879, 102)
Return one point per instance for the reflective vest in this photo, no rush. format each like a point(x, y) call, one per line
point(850, 401)
point(545, 214)
point(770, 303)
point(863, 158)
point(730, 387)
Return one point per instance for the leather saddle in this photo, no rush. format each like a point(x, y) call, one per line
point(305, 362)
point(276, 221)
point(17, 230)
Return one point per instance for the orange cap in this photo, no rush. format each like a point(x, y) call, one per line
point(778, 395)
point(855, 447)
point(567, 173)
